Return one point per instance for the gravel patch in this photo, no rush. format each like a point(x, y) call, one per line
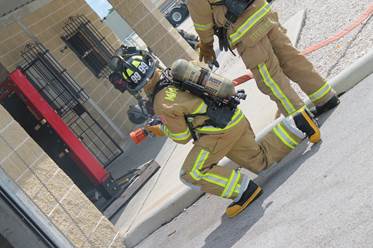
point(324, 19)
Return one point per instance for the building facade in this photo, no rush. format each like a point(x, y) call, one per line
point(66, 39)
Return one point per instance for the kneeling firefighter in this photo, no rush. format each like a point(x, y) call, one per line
point(251, 27)
point(193, 103)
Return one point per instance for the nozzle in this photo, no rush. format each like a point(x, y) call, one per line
point(139, 135)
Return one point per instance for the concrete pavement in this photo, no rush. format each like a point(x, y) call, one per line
point(319, 197)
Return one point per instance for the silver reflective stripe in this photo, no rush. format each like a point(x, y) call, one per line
point(233, 181)
point(176, 136)
point(237, 117)
point(290, 125)
point(201, 158)
point(214, 179)
point(249, 23)
point(244, 183)
point(209, 177)
point(284, 137)
point(192, 186)
point(320, 93)
point(201, 109)
point(203, 27)
point(276, 90)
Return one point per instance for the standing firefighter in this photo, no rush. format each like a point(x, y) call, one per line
point(193, 103)
point(252, 28)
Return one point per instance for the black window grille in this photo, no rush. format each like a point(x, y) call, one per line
point(88, 44)
point(67, 98)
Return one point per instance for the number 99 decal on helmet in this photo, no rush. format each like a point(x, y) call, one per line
point(135, 66)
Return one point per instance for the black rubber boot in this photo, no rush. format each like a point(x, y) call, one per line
point(332, 103)
point(252, 192)
point(308, 125)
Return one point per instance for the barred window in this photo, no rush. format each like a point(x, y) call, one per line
point(68, 99)
point(88, 44)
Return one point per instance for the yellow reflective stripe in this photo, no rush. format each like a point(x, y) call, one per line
point(201, 158)
point(320, 93)
point(281, 133)
point(276, 90)
point(215, 179)
point(235, 120)
point(285, 132)
point(249, 23)
point(237, 190)
point(275, 130)
point(209, 177)
point(237, 117)
point(293, 129)
point(235, 184)
point(224, 193)
point(176, 136)
point(181, 136)
point(232, 184)
point(203, 27)
point(202, 108)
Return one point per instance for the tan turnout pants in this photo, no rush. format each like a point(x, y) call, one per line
point(202, 172)
point(273, 61)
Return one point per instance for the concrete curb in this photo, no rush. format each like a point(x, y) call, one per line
point(353, 74)
point(186, 196)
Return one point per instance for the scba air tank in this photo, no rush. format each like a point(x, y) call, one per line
point(182, 70)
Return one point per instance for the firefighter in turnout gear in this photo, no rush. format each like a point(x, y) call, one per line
point(185, 116)
point(251, 27)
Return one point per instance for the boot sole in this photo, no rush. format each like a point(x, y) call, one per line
point(316, 137)
point(252, 198)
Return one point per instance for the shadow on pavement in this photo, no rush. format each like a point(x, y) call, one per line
point(232, 230)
